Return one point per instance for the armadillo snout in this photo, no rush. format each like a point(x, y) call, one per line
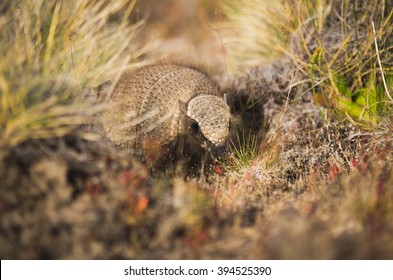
point(217, 151)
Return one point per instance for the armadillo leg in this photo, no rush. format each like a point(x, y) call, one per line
point(204, 159)
point(179, 153)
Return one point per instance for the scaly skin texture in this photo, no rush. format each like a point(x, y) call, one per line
point(150, 108)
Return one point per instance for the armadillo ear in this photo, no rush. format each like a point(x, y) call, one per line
point(226, 98)
point(183, 107)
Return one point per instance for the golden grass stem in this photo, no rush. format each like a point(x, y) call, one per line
point(379, 62)
point(51, 34)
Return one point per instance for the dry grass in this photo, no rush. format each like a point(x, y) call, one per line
point(349, 67)
point(259, 31)
point(51, 53)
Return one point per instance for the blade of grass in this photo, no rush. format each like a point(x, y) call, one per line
point(379, 62)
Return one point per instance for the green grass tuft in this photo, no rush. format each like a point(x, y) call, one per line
point(243, 151)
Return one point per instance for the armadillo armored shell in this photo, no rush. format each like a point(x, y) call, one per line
point(144, 111)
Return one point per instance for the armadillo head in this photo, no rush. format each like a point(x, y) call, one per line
point(208, 121)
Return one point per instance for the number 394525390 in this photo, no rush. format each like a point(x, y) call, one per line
point(243, 270)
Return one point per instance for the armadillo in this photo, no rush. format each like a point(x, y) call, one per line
point(150, 108)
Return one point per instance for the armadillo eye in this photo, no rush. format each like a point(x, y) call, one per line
point(194, 126)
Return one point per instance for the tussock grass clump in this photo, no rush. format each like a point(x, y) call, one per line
point(244, 152)
point(51, 52)
point(352, 73)
point(262, 30)
point(341, 48)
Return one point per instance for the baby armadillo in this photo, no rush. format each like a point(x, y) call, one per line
point(155, 106)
